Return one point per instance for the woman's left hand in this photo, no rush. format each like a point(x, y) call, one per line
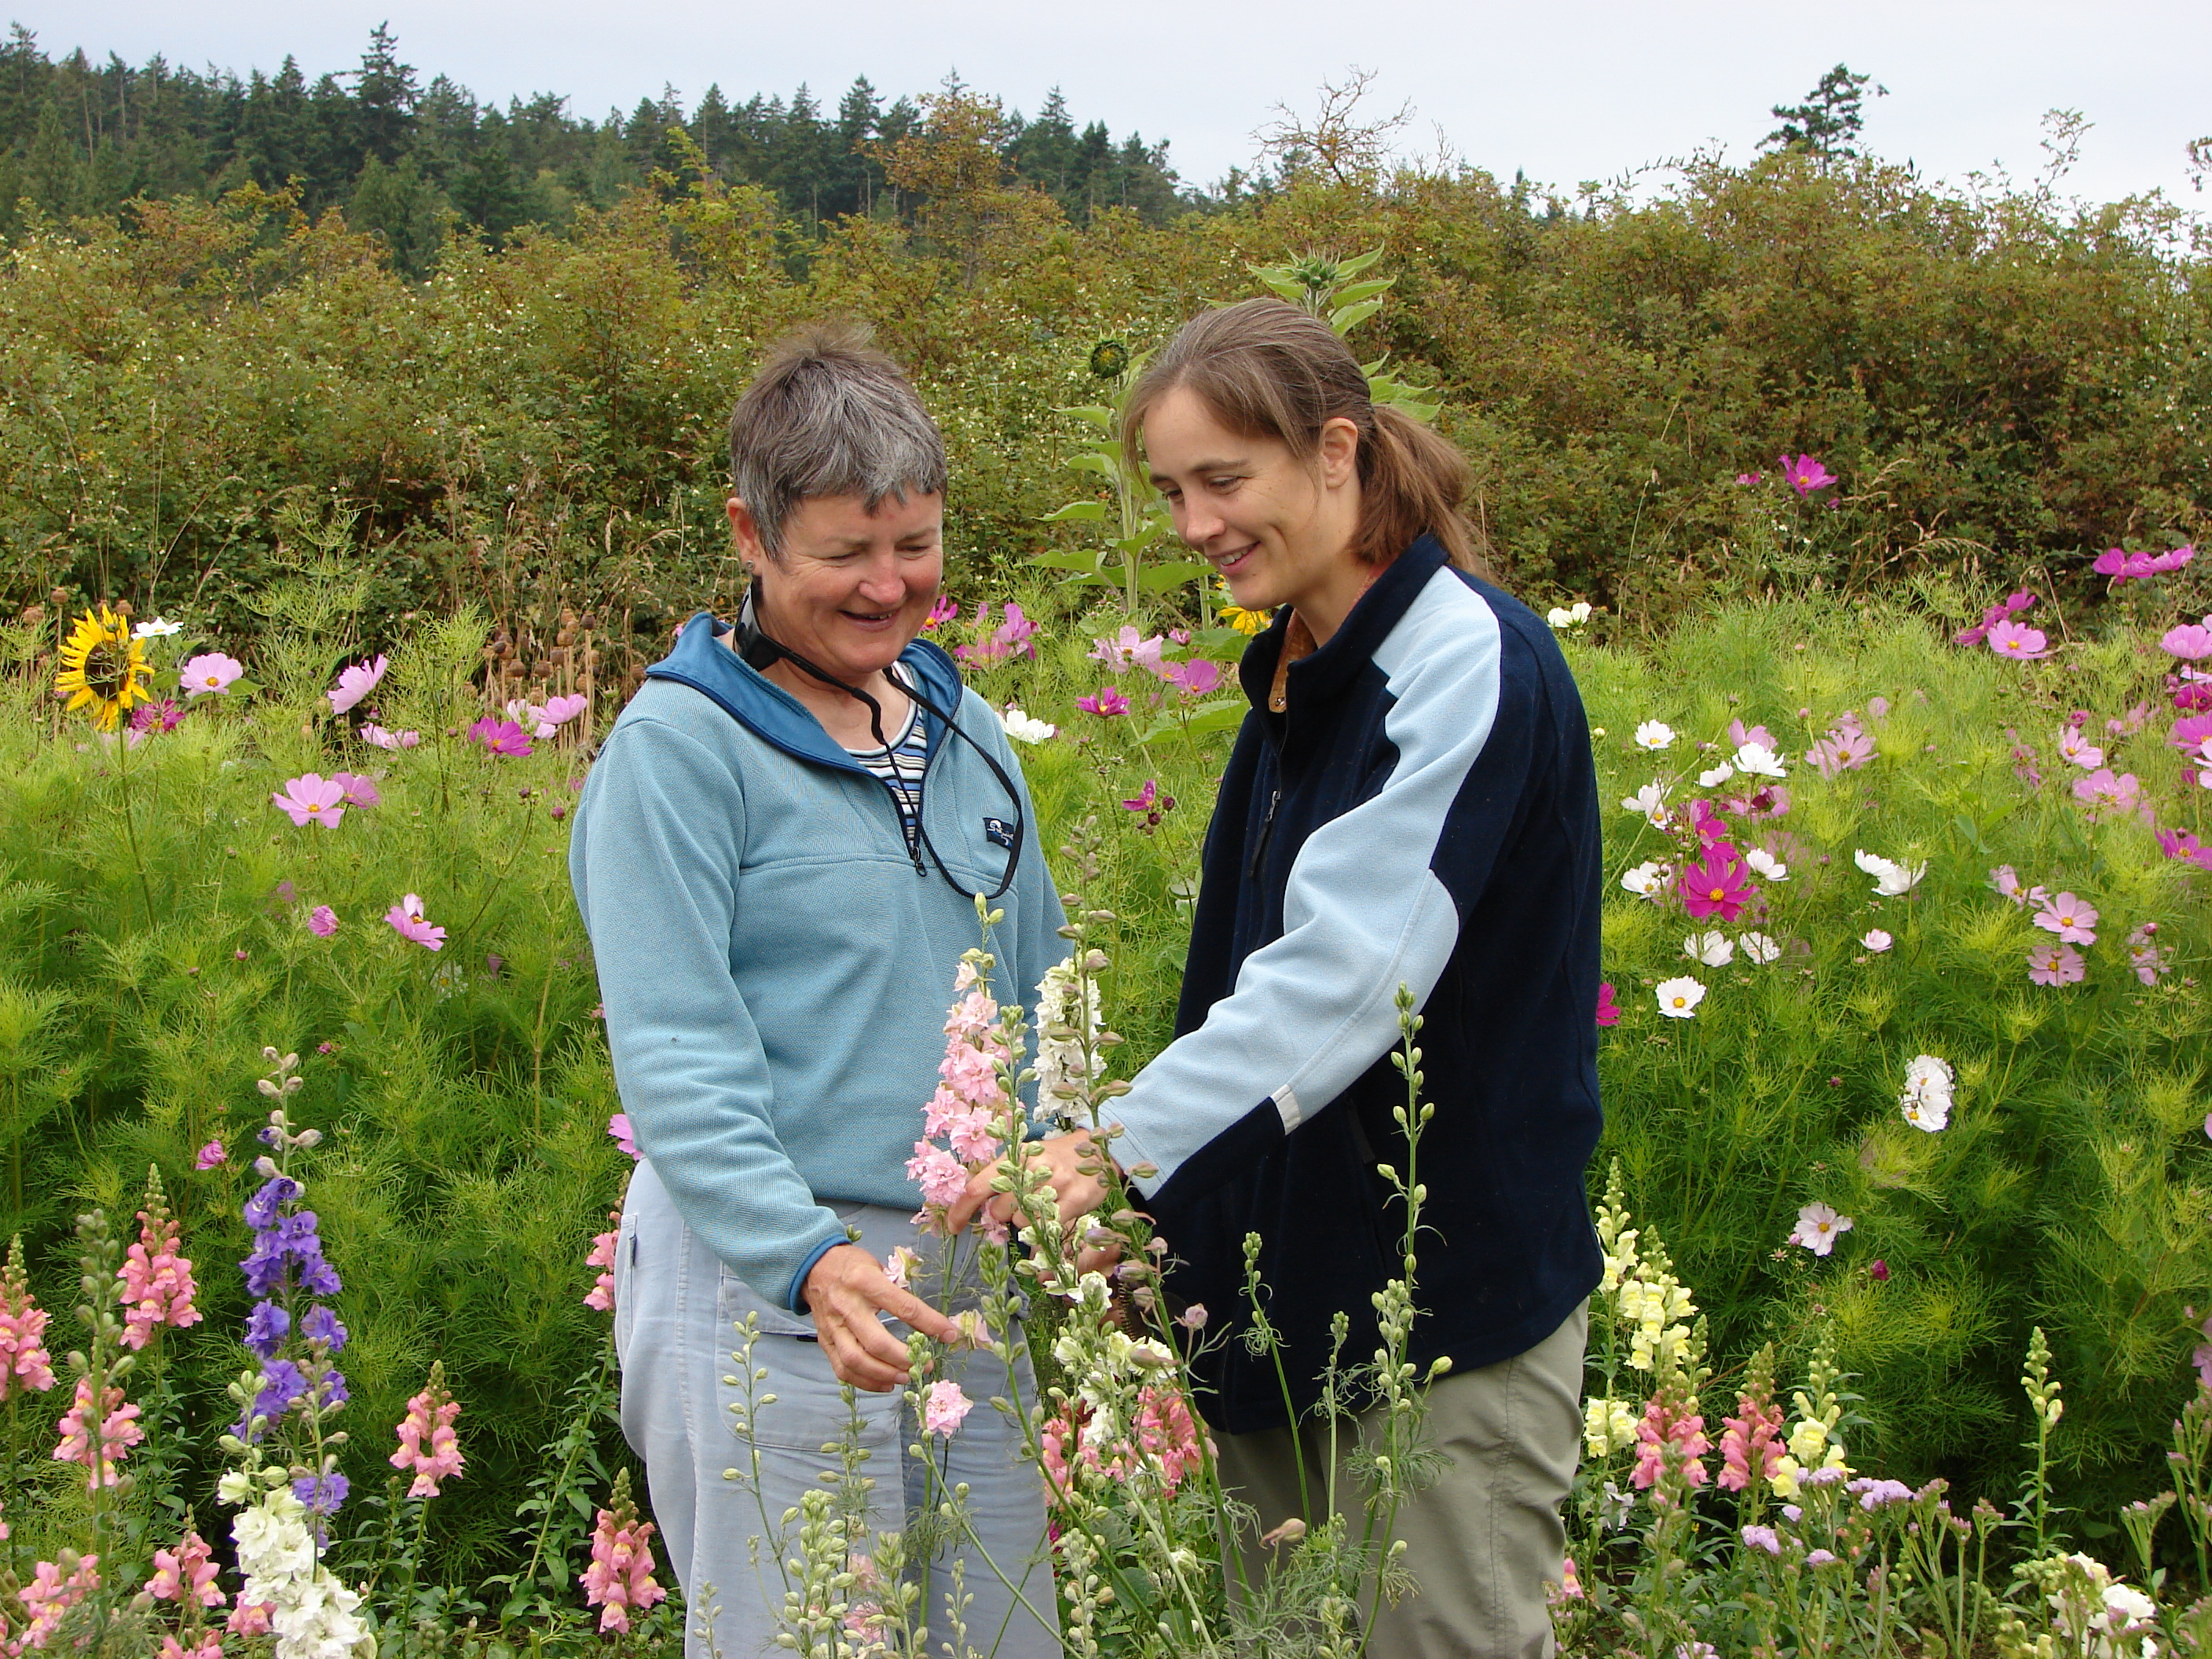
point(1072, 1165)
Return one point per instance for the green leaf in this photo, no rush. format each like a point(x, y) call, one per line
point(1217, 714)
point(1097, 414)
point(1159, 578)
point(1353, 292)
point(1090, 560)
point(1359, 262)
point(1092, 461)
point(1077, 512)
point(1219, 643)
point(1345, 318)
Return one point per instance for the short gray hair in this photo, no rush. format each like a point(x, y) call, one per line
point(829, 415)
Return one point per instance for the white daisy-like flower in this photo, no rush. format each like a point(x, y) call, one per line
point(1769, 866)
point(1876, 940)
point(1714, 779)
point(1714, 949)
point(1647, 879)
point(1756, 760)
point(1648, 803)
point(1929, 1082)
point(1890, 878)
point(158, 628)
point(1760, 948)
point(1679, 998)
point(1654, 734)
point(1572, 615)
point(1818, 1229)
point(1025, 729)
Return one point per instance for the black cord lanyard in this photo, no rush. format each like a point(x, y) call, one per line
point(759, 651)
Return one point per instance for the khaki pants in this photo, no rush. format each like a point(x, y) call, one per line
point(1481, 1541)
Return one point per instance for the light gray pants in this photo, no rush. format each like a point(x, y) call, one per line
point(1481, 1542)
point(675, 1307)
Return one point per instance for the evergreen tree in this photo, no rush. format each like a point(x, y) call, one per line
point(1827, 124)
point(384, 98)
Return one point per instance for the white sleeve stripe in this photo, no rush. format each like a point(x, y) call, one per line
point(1287, 1103)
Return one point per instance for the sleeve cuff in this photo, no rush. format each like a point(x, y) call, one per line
point(795, 1297)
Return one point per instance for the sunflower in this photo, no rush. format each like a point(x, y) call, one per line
point(103, 667)
point(1245, 622)
point(1109, 359)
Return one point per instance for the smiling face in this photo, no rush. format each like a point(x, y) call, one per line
point(851, 588)
point(1278, 527)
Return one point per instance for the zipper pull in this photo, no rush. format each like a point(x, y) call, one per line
point(1266, 830)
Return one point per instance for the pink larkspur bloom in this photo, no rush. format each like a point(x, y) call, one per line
point(187, 1573)
point(322, 921)
point(943, 1408)
point(209, 674)
point(312, 796)
point(501, 737)
point(98, 1440)
point(2055, 964)
point(941, 1176)
point(1108, 702)
point(157, 1281)
point(2019, 642)
point(408, 921)
point(354, 683)
point(427, 1444)
point(2072, 919)
point(619, 1580)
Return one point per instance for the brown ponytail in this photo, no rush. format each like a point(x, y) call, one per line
point(1266, 370)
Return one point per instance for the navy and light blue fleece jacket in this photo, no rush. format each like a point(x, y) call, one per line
point(1425, 813)
point(775, 966)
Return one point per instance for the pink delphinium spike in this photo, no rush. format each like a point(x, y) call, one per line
point(157, 1281)
point(24, 1365)
point(114, 1425)
point(619, 1580)
point(427, 1443)
point(945, 1407)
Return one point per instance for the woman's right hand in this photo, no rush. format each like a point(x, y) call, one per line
point(845, 1291)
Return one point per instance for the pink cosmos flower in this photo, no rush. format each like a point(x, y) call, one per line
point(312, 796)
point(1127, 648)
point(1145, 798)
point(1108, 702)
point(2191, 641)
point(99, 1438)
point(156, 717)
point(354, 683)
point(1014, 637)
point(2191, 731)
point(2018, 642)
point(1805, 474)
point(1608, 1010)
point(1195, 679)
point(2055, 964)
point(211, 1156)
point(2181, 844)
point(2150, 961)
point(2121, 566)
point(322, 921)
point(211, 673)
point(619, 1579)
point(359, 791)
point(501, 737)
point(2072, 919)
point(1739, 734)
point(157, 1281)
point(2078, 748)
point(1750, 477)
point(618, 1126)
point(1719, 883)
point(601, 1295)
point(1876, 940)
point(944, 1407)
point(2106, 796)
point(945, 610)
point(408, 921)
point(1818, 1227)
point(372, 733)
point(2006, 882)
point(24, 1365)
point(427, 1445)
point(186, 1573)
point(2127, 724)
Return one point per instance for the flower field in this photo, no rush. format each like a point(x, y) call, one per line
point(1906, 1188)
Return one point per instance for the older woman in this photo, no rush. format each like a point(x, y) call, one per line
point(777, 856)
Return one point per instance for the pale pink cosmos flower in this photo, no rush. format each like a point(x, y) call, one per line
point(24, 1365)
point(1127, 648)
point(2006, 882)
point(2191, 641)
point(187, 1573)
point(1818, 1227)
point(944, 1407)
point(427, 1445)
point(408, 921)
point(312, 796)
point(98, 1438)
point(211, 673)
point(2107, 796)
point(1194, 679)
point(618, 1127)
point(2055, 964)
point(1876, 940)
point(2151, 961)
point(2076, 747)
point(359, 791)
point(157, 1281)
point(372, 733)
point(619, 1580)
point(2072, 919)
point(354, 683)
point(2019, 642)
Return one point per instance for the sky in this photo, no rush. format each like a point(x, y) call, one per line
point(1579, 90)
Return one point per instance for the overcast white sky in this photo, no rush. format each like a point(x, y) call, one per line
point(1576, 89)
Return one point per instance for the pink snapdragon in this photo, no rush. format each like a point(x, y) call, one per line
point(601, 1297)
point(945, 1408)
point(354, 683)
point(619, 1580)
point(211, 1156)
point(187, 1573)
point(1668, 1423)
point(24, 1365)
point(2055, 964)
point(98, 1438)
point(1751, 1442)
point(209, 674)
point(312, 796)
point(157, 1281)
point(50, 1595)
point(407, 919)
point(427, 1446)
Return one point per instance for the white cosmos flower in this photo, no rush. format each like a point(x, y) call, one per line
point(1654, 734)
point(1766, 864)
point(1714, 949)
point(1569, 616)
point(1649, 802)
point(1647, 879)
point(1756, 760)
point(1929, 1081)
point(1024, 727)
point(1818, 1227)
point(1679, 998)
point(1760, 948)
point(1714, 779)
point(158, 628)
point(1890, 878)
point(1876, 940)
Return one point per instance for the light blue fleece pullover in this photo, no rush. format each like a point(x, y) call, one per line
point(776, 971)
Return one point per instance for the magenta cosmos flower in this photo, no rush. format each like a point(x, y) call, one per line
point(1108, 702)
point(1608, 1010)
point(1717, 884)
point(2019, 642)
point(354, 683)
point(501, 737)
point(1805, 474)
point(211, 673)
point(313, 796)
point(408, 921)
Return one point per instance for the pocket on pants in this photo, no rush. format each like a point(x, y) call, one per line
point(809, 1410)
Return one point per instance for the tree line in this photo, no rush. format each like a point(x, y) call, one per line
point(405, 159)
